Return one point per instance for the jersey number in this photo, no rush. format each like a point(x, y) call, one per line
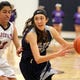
point(3, 44)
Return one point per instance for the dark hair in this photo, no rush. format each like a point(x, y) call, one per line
point(30, 24)
point(5, 3)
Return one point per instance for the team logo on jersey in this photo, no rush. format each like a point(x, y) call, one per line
point(42, 46)
point(6, 35)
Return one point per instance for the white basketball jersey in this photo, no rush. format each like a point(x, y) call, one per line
point(6, 36)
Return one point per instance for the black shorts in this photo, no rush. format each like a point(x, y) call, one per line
point(33, 71)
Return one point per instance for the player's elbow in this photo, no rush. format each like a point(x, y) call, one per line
point(38, 60)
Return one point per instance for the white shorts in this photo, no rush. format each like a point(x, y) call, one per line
point(5, 69)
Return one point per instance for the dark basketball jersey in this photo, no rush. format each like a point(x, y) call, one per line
point(29, 68)
point(42, 45)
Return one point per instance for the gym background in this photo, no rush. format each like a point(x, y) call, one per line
point(68, 6)
point(25, 9)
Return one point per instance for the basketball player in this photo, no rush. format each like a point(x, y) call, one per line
point(77, 21)
point(37, 36)
point(57, 17)
point(13, 15)
point(8, 32)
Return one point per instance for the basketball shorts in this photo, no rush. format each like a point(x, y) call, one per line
point(5, 69)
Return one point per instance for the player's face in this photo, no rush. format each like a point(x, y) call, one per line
point(5, 14)
point(58, 8)
point(40, 21)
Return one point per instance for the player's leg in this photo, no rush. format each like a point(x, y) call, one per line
point(77, 30)
point(58, 27)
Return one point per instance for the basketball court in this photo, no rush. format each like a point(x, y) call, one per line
point(70, 63)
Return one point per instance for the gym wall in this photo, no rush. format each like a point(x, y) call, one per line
point(69, 8)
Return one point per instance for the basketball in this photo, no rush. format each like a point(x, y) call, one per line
point(77, 45)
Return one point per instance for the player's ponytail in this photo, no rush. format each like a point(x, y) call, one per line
point(28, 25)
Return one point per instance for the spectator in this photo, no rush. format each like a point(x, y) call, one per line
point(77, 21)
point(57, 17)
point(13, 15)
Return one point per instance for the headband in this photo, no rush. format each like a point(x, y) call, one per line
point(40, 11)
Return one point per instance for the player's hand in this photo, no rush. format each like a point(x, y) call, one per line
point(63, 51)
point(70, 45)
point(19, 50)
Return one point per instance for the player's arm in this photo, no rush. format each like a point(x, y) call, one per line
point(58, 38)
point(16, 42)
point(15, 38)
point(31, 38)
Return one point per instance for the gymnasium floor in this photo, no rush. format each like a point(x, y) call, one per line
point(70, 64)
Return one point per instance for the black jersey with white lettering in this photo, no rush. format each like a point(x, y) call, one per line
point(41, 45)
point(28, 66)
